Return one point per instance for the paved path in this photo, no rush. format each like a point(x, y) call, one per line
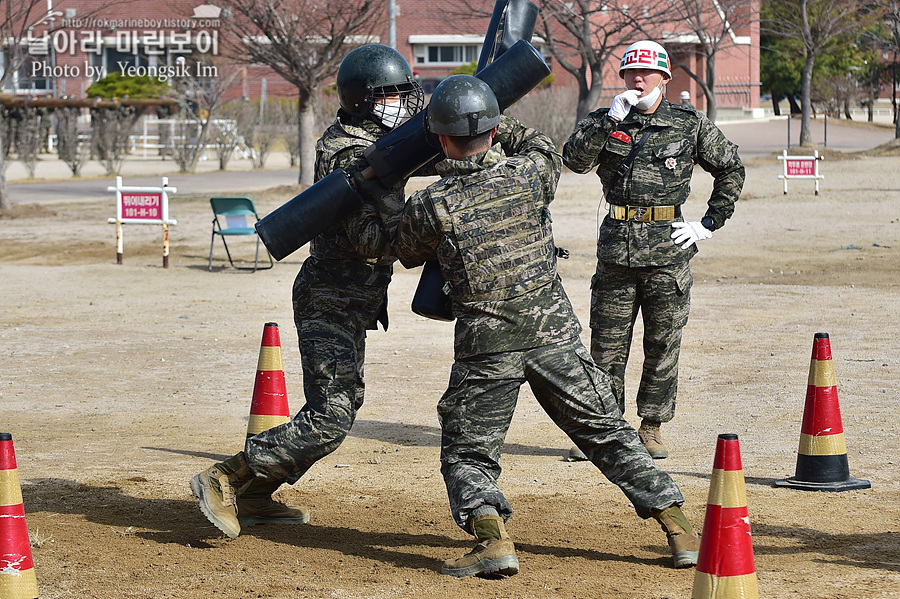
point(755, 138)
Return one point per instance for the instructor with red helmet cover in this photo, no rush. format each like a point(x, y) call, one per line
point(644, 149)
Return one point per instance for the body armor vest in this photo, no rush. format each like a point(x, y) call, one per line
point(500, 231)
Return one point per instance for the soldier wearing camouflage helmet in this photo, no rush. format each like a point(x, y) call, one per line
point(645, 244)
point(487, 223)
point(339, 294)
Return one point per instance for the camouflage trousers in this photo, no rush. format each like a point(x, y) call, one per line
point(663, 297)
point(476, 410)
point(331, 323)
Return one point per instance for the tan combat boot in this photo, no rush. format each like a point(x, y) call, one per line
point(493, 557)
point(652, 440)
point(256, 506)
point(683, 541)
point(216, 488)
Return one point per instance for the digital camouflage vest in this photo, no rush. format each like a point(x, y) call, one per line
point(500, 231)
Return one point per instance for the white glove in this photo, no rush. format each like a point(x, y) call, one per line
point(689, 233)
point(621, 104)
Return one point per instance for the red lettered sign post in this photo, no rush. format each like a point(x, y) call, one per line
point(800, 167)
point(142, 206)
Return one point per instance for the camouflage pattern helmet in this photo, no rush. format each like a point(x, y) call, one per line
point(463, 105)
point(375, 71)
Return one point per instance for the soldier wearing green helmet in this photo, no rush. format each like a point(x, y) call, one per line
point(339, 294)
point(487, 223)
point(644, 149)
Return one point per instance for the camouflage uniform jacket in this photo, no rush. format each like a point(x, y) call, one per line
point(349, 268)
point(660, 176)
point(360, 235)
point(487, 222)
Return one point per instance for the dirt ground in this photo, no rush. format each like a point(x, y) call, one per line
point(120, 382)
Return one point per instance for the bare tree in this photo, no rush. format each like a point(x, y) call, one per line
point(258, 132)
point(200, 96)
point(817, 23)
point(702, 27)
point(532, 111)
point(28, 137)
point(225, 135)
point(18, 22)
point(16, 16)
point(284, 113)
point(582, 36)
point(111, 129)
point(892, 20)
point(291, 141)
point(304, 42)
point(68, 146)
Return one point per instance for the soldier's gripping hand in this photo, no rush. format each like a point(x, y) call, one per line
point(370, 190)
point(621, 104)
point(689, 233)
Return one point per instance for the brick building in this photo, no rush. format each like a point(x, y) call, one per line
point(76, 43)
point(435, 42)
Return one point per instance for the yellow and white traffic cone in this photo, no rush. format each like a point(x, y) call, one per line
point(822, 456)
point(17, 579)
point(269, 407)
point(725, 566)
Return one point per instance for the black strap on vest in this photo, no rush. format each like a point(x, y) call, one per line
point(626, 164)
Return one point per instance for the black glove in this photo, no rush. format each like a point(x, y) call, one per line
point(370, 190)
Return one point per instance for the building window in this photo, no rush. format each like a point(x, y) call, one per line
point(33, 76)
point(117, 61)
point(447, 54)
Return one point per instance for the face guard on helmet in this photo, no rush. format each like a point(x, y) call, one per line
point(463, 106)
point(394, 104)
point(375, 82)
point(646, 54)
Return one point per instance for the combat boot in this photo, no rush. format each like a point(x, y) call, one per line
point(216, 488)
point(683, 541)
point(652, 439)
point(576, 455)
point(493, 557)
point(256, 506)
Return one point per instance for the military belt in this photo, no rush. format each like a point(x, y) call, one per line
point(383, 261)
point(644, 214)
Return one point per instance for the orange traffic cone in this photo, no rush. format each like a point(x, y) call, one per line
point(17, 580)
point(822, 457)
point(725, 566)
point(269, 407)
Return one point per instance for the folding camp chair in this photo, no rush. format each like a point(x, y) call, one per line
point(235, 212)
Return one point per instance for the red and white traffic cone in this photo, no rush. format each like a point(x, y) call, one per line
point(822, 456)
point(17, 579)
point(269, 407)
point(725, 566)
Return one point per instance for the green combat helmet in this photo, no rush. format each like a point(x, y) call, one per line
point(462, 105)
point(370, 79)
